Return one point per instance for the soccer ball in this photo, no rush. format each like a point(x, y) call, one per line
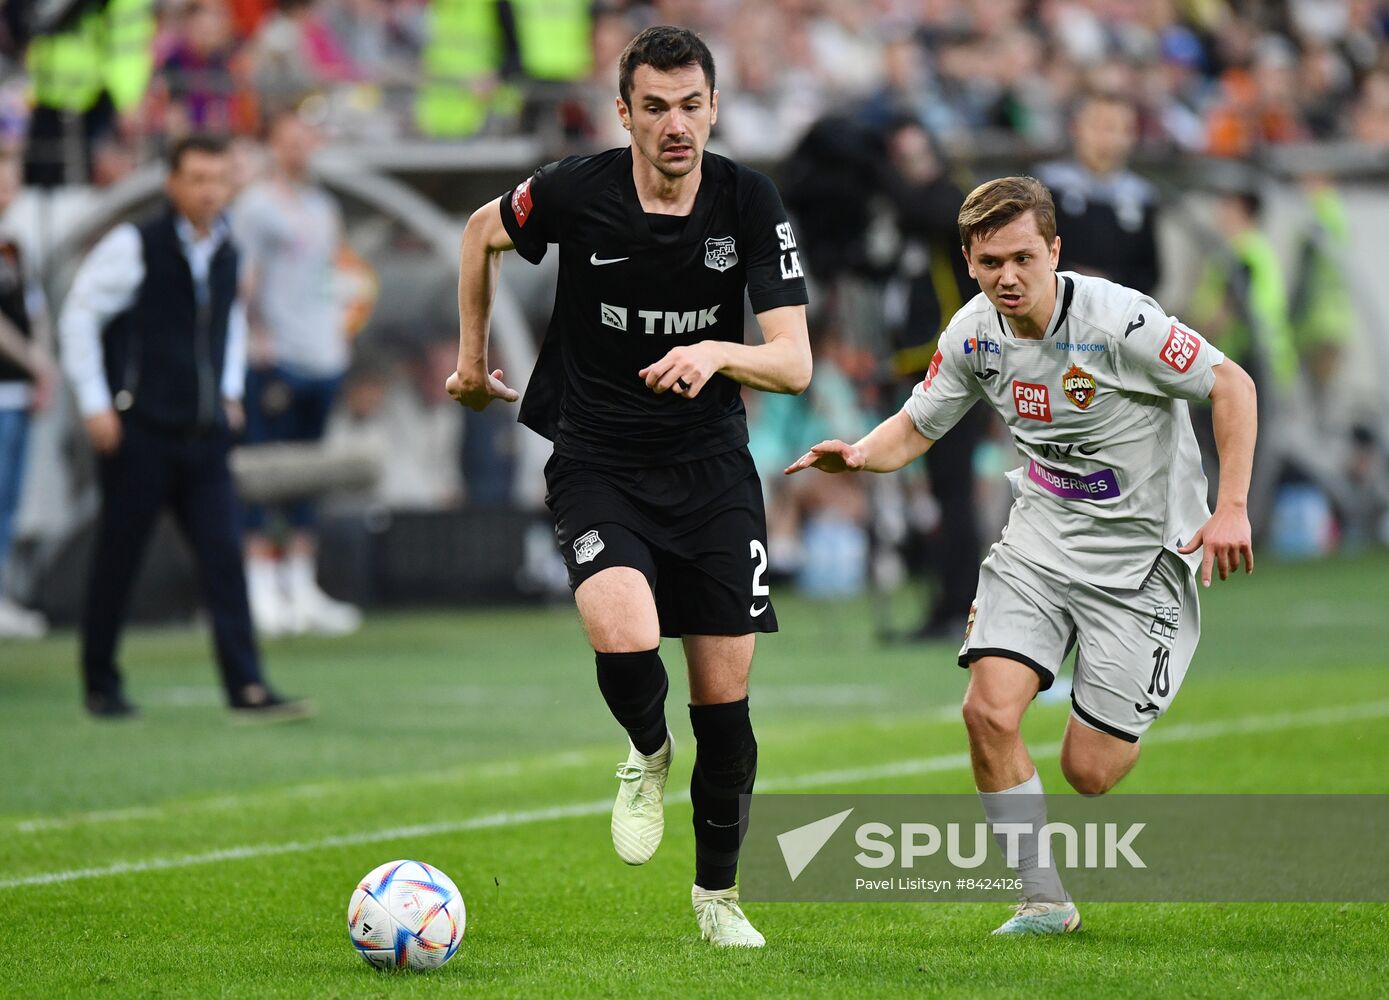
point(406, 915)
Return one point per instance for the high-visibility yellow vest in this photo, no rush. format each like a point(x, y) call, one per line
point(65, 69)
point(129, 56)
point(555, 38)
point(111, 51)
point(464, 49)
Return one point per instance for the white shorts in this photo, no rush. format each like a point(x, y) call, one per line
point(1134, 646)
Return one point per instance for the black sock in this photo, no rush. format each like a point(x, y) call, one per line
point(725, 767)
point(634, 685)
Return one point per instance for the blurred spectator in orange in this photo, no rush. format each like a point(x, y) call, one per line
point(199, 68)
point(1258, 107)
point(295, 52)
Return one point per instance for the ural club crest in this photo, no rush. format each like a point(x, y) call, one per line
point(1079, 386)
point(720, 253)
point(587, 546)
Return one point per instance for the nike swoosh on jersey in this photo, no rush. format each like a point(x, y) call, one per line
point(754, 610)
point(597, 261)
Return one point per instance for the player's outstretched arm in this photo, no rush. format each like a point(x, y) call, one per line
point(1226, 537)
point(892, 444)
point(485, 239)
point(780, 364)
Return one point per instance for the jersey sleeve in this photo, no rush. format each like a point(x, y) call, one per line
point(1160, 356)
point(535, 212)
point(774, 272)
point(943, 396)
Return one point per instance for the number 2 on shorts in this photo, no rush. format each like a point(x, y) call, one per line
point(759, 552)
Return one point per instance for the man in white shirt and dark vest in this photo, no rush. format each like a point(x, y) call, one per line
point(154, 343)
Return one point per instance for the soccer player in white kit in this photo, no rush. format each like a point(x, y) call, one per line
point(1109, 527)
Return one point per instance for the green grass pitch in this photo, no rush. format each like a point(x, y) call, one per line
point(183, 856)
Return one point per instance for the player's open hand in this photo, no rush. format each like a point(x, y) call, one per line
point(829, 456)
point(1226, 538)
point(684, 370)
point(475, 394)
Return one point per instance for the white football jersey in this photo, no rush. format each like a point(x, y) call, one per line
point(1097, 408)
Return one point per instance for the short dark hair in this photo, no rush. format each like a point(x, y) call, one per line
point(198, 142)
point(994, 204)
point(664, 47)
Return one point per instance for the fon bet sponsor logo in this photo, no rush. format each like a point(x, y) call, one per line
point(932, 371)
point(1181, 349)
point(1032, 401)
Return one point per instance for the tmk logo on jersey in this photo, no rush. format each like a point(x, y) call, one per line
point(985, 346)
point(1181, 349)
point(1079, 386)
point(614, 316)
point(670, 323)
point(521, 203)
point(587, 546)
point(1032, 400)
point(720, 253)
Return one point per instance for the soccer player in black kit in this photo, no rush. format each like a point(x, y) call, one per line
point(658, 509)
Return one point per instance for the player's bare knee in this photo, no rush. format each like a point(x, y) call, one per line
point(987, 719)
point(1087, 779)
point(1091, 775)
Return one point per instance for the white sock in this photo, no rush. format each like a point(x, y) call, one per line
point(301, 574)
point(260, 573)
point(1024, 804)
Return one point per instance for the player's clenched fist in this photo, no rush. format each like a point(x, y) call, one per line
point(476, 394)
point(830, 456)
point(684, 370)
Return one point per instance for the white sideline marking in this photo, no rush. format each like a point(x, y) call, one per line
point(1187, 732)
point(567, 759)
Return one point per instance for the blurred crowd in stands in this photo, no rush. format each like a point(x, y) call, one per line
point(1219, 77)
point(875, 117)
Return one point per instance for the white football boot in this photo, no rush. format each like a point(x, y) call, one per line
point(639, 818)
point(17, 622)
point(312, 609)
point(1042, 918)
point(722, 921)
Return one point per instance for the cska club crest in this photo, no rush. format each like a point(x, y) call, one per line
point(1079, 386)
point(720, 253)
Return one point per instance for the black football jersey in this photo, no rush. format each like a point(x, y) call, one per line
point(633, 285)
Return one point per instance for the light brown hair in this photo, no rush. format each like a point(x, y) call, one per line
point(994, 204)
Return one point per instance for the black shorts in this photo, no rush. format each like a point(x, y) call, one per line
point(697, 531)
